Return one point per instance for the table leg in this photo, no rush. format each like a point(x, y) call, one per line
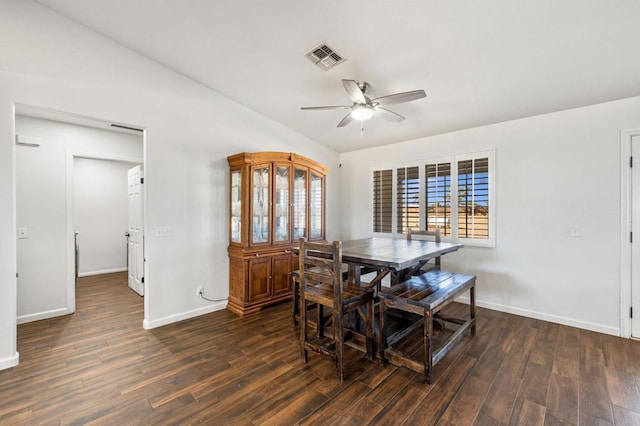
point(354, 274)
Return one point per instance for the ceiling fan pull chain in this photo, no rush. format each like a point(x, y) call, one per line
point(361, 129)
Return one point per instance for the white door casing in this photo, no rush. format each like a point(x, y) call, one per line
point(629, 232)
point(136, 236)
point(635, 240)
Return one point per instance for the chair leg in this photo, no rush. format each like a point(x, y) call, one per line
point(303, 328)
point(295, 303)
point(339, 341)
point(368, 322)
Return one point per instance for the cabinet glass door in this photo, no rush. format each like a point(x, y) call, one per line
point(281, 199)
point(299, 203)
point(261, 203)
point(236, 205)
point(315, 207)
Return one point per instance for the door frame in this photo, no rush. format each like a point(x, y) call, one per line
point(71, 156)
point(625, 230)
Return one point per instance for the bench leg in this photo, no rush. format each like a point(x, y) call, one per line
point(472, 308)
point(428, 346)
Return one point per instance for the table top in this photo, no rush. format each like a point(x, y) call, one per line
point(393, 253)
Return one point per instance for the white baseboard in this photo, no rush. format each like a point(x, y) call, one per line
point(43, 315)
point(557, 319)
point(10, 361)
point(216, 306)
point(106, 271)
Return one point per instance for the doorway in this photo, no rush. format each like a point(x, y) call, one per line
point(44, 205)
point(102, 212)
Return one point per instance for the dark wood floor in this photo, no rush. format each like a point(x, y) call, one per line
point(100, 366)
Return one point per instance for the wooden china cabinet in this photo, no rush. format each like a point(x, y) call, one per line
point(276, 198)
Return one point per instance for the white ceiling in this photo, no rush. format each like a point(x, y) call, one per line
point(480, 62)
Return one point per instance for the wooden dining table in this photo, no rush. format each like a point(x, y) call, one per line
point(397, 257)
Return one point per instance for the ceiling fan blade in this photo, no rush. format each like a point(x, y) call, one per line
point(355, 94)
point(328, 107)
point(398, 98)
point(388, 115)
point(348, 119)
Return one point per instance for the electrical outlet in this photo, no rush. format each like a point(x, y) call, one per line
point(200, 291)
point(23, 233)
point(573, 231)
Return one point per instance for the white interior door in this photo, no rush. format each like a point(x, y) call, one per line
point(635, 229)
point(136, 236)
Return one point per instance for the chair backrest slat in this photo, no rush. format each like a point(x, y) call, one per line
point(423, 234)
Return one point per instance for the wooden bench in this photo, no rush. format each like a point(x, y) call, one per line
point(425, 295)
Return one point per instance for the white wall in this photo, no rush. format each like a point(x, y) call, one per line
point(49, 61)
point(552, 171)
point(41, 195)
point(100, 214)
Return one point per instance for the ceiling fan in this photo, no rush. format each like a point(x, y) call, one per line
point(363, 107)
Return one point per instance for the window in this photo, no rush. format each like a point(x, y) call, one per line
point(453, 194)
point(382, 200)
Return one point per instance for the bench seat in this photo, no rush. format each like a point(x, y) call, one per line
point(425, 295)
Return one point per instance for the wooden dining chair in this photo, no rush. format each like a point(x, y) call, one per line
point(434, 264)
point(320, 269)
point(295, 300)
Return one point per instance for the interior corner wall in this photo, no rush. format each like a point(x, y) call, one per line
point(41, 207)
point(552, 171)
point(51, 62)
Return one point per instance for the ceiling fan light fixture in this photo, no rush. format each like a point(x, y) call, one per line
point(362, 112)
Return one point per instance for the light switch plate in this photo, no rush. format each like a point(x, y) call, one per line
point(163, 231)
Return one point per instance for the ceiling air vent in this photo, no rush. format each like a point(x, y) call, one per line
point(324, 56)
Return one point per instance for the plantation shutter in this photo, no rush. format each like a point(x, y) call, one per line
point(382, 200)
point(438, 197)
point(473, 198)
point(408, 198)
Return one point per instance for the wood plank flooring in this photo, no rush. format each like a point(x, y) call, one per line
point(99, 366)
